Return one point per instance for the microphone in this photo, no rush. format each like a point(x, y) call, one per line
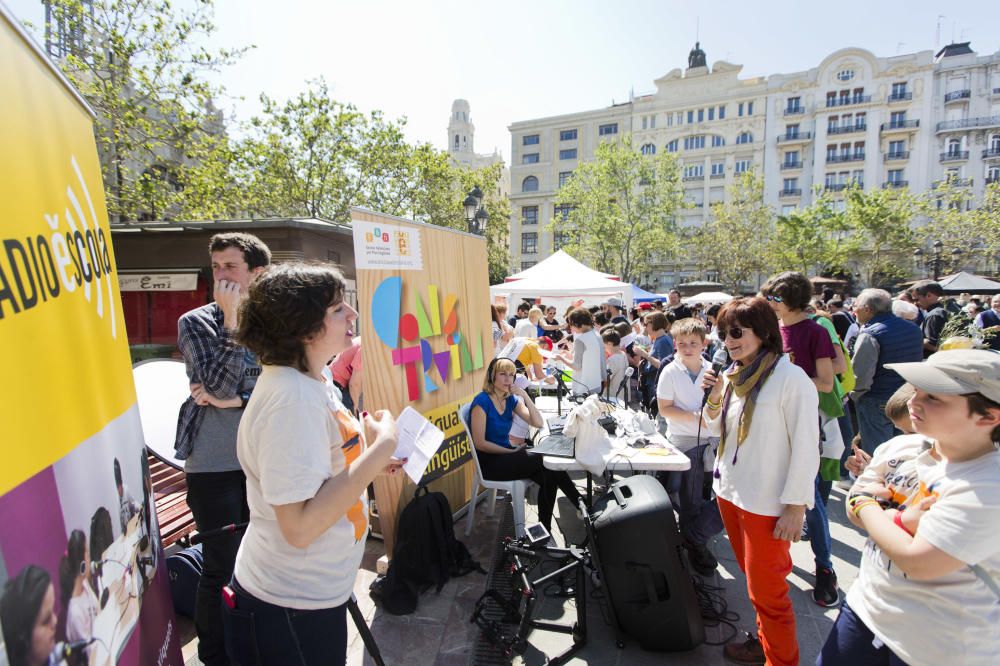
point(629, 371)
point(719, 361)
point(561, 375)
point(64, 651)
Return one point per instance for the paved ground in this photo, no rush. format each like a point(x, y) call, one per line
point(440, 633)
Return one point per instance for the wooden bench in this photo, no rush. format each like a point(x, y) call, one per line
point(170, 495)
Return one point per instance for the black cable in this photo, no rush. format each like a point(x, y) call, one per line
point(714, 609)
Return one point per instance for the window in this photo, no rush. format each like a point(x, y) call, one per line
point(564, 177)
point(456, 142)
point(694, 171)
point(718, 141)
point(718, 168)
point(680, 117)
point(690, 117)
point(790, 184)
point(525, 265)
point(995, 143)
point(993, 174)
point(701, 115)
point(954, 146)
point(791, 131)
point(859, 149)
point(567, 135)
point(647, 149)
point(897, 119)
point(672, 146)
point(711, 113)
point(897, 148)
point(529, 242)
point(792, 157)
point(830, 180)
point(831, 152)
point(559, 240)
point(567, 154)
point(670, 120)
point(529, 158)
point(607, 130)
point(562, 212)
point(530, 140)
point(694, 142)
point(529, 184)
point(858, 177)
point(861, 121)
point(742, 166)
point(652, 121)
point(722, 112)
point(793, 104)
point(845, 75)
point(749, 108)
point(744, 137)
point(529, 215)
point(895, 175)
point(740, 112)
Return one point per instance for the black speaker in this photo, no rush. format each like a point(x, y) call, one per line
point(639, 548)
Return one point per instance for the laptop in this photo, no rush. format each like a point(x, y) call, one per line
point(559, 446)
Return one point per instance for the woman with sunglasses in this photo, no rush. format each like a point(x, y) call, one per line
point(763, 409)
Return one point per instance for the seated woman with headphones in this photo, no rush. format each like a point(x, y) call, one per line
point(490, 420)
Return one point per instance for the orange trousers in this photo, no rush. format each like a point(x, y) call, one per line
point(766, 563)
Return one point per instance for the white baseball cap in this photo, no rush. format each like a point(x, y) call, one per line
point(955, 372)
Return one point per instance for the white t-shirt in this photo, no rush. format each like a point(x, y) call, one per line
point(894, 466)
point(676, 385)
point(778, 462)
point(617, 364)
point(525, 329)
point(589, 362)
point(954, 619)
point(294, 435)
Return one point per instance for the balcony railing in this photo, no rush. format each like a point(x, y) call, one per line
point(956, 95)
point(994, 179)
point(839, 159)
point(717, 175)
point(900, 97)
point(835, 187)
point(899, 125)
point(791, 165)
point(847, 101)
point(794, 110)
point(991, 153)
point(954, 182)
point(698, 177)
point(892, 184)
point(845, 129)
point(969, 123)
point(794, 136)
point(897, 155)
point(954, 156)
point(791, 192)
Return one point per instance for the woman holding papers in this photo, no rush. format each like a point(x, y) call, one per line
point(308, 463)
point(490, 420)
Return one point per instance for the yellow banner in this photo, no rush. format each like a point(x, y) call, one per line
point(62, 335)
point(454, 450)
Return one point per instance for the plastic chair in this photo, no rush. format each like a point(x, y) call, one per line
point(515, 489)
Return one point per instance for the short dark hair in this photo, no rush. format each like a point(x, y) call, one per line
point(657, 320)
point(713, 310)
point(580, 318)
point(835, 303)
point(255, 252)
point(523, 306)
point(622, 329)
point(980, 404)
point(753, 313)
point(283, 307)
point(601, 318)
point(925, 287)
point(794, 289)
point(611, 336)
point(22, 598)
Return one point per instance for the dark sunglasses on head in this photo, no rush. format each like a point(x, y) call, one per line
point(734, 333)
point(776, 299)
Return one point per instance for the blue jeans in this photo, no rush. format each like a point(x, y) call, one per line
point(874, 425)
point(851, 642)
point(216, 499)
point(699, 517)
point(262, 634)
point(819, 531)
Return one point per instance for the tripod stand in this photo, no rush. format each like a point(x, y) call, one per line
point(352, 604)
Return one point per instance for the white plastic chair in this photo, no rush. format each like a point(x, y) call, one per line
point(515, 489)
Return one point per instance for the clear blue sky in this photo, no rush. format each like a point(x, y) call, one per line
point(518, 60)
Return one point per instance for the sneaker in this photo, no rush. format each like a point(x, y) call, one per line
point(748, 651)
point(825, 593)
point(701, 558)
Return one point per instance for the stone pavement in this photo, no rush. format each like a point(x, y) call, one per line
point(439, 632)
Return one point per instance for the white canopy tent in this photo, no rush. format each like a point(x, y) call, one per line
point(707, 297)
point(557, 262)
point(562, 288)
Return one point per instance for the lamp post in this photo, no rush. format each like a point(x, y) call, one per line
point(475, 213)
point(935, 261)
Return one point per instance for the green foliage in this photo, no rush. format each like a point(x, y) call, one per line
point(140, 64)
point(810, 240)
point(621, 209)
point(882, 240)
point(953, 221)
point(735, 242)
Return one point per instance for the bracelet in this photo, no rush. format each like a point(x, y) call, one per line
point(898, 519)
point(713, 405)
point(858, 503)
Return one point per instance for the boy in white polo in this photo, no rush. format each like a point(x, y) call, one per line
point(679, 397)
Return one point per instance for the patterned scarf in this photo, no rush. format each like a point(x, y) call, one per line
point(746, 381)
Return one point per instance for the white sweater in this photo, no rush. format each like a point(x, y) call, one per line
point(778, 461)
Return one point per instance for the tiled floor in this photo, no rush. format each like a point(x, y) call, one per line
point(439, 632)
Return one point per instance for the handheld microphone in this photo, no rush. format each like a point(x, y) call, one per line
point(64, 651)
point(629, 371)
point(719, 361)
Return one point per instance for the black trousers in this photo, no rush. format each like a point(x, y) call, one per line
point(520, 465)
point(216, 499)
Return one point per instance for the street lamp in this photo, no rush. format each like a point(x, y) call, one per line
point(934, 263)
point(475, 213)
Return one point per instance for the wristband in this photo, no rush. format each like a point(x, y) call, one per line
point(898, 519)
point(859, 502)
point(713, 405)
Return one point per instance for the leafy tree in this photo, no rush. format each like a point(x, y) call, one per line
point(882, 240)
point(140, 64)
point(988, 219)
point(810, 239)
point(735, 242)
point(617, 212)
point(952, 220)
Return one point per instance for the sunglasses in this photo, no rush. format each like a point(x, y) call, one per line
point(734, 333)
point(776, 299)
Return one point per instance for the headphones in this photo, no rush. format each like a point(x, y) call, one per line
point(490, 369)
